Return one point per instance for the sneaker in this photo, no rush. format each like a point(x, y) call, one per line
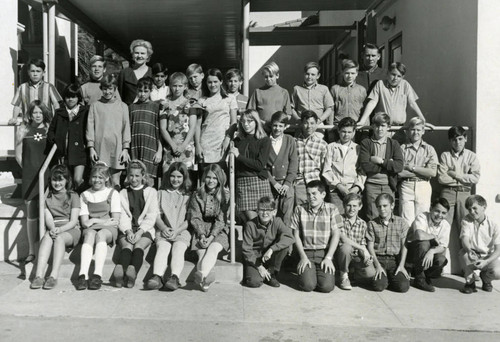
point(50, 283)
point(424, 284)
point(487, 286)
point(154, 283)
point(273, 282)
point(95, 282)
point(345, 284)
point(172, 283)
point(469, 288)
point(37, 283)
point(131, 276)
point(118, 275)
point(81, 283)
point(198, 278)
point(209, 279)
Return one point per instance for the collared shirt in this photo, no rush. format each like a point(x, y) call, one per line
point(315, 97)
point(393, 101)
point(349, 100)
point(355, 231)
point(419, 154)
point(73, 112)
point(276, 143)
point(43, 91)
point(465, 164)
point(159, 93)
point(441, 231)
point(241, 100)
point(368, 78)
point(311, 151)
point(387, 236)
point(316, 228)
point(482, 236)
point(341, 165)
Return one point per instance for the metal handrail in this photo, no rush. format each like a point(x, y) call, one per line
point(232, 214)
point(41, 190)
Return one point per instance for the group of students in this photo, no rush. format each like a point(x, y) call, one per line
point(297, 190)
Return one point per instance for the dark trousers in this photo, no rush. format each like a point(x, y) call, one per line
point(273, 265)
point(395, 282)
point(418, 249)
point(314, 278)
point(285, 204)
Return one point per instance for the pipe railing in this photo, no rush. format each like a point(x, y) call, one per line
point(232, 213)
point(41, 190)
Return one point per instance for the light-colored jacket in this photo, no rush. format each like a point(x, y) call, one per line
point(148, 216)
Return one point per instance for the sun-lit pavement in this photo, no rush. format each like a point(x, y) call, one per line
point(231, 312)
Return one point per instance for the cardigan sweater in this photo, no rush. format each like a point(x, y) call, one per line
point(254, 154)
point(393, 161)
point(282, 167)
point(147, 219)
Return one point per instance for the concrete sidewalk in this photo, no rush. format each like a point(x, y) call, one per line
point(230, 312)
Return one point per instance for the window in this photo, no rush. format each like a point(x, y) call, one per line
point(396, 49)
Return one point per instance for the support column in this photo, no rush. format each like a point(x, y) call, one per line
point(52, 44)
point(488, 102)
point(45, 15)
point(8, 73)
point(245, 53)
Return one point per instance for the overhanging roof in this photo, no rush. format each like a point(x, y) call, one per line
point(181, 31)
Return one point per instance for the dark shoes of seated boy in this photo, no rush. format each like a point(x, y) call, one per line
point(424, 284)
point(471, 287)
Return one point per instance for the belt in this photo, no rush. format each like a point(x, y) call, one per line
point(459, 188)
point(299, 181)
point(415, 179)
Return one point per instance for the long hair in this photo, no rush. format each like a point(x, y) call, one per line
point(259, 128)
point(220, 193)
point(43, 108)
point(59, 172)
point(217, 73)
point(186, 181)
point(100, 168)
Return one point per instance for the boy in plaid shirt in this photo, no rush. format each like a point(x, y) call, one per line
point(311, 149)
point(386, 237)
point(316, 229)
point(352, 246)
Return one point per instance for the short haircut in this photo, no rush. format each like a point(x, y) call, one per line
point(398, 66)
point(266, 202)
point(194, 69)
point(100, 168)
point(108, 81)
point(457, 131)
point(97, 58)
point(352, 197)
point(280, 117)
point(159, 67)
point(178, 76)
point(311, 65)
point(36, 62)
point(349, 64)
point(441, 201)
point(143, 43)
point(415, 121)
point(233, 73)
point(307, 114)
point(370, 46)
point(316, 184)
point(469, 202)
point(136, 164)
point(381, 118)
point(384, 196)
point(346, 122)
point(146, 83)
point(272, 68)
point(72, 90)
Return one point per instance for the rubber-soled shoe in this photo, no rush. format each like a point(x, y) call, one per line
point(50, 283)
point(423, 284)
point(487, 286)
point(37, 283)
point(469, 288)
point(81, 283)
point(172, 283)
point(118, 275)
point(95, 282)
point(345, 284)
point(154, 283)
point(198, 279)
point(273, 282)
point(131, 276)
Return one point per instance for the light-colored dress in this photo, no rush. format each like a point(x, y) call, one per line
point(173, 208)
point(215, 122)
point(108, 131)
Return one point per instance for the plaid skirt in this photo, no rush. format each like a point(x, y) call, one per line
point(249, 190)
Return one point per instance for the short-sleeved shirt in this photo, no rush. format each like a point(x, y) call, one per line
point(241, 100)
point(316, 228)
point(159, 93)
point(100, 196)
point(355, 231)
point(387, 236)
point(482, 236)
point(441, 231)
point(311, 152)
point(29, 92)
point(393, 101)
point(349, 100)
point(269, 100)
point(60, 206)
point(315, 97)
point(421, 154)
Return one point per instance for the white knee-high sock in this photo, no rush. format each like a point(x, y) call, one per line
point(101, 249)
point(85, 259)
point(161, 258)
